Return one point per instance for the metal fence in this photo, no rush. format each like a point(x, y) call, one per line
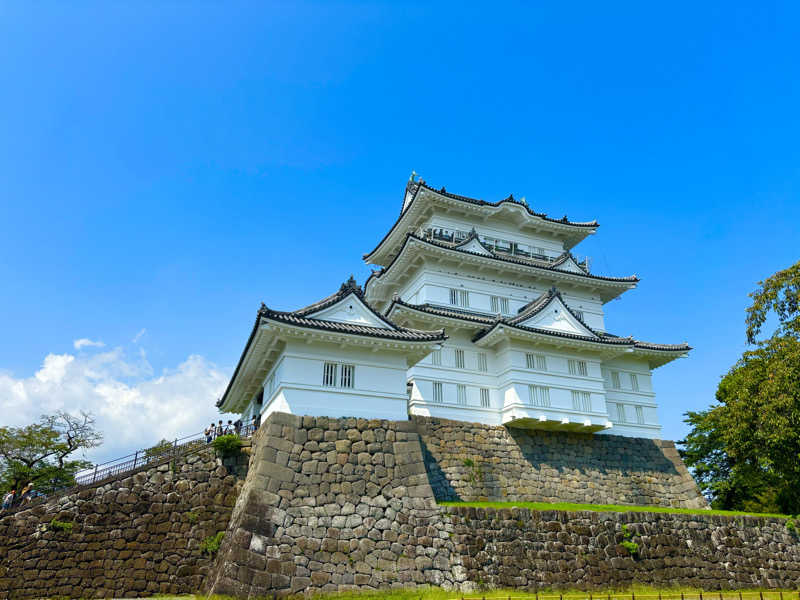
point(141, 459)
point(666, 595)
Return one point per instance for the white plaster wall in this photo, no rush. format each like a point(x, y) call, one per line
point(497, 229)
point(379, 389)
point(432, 285)
point(644, 397)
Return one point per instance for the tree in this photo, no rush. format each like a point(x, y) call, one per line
point(745, 450)
point(41, 453)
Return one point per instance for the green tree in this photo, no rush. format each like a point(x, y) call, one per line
point(745, 450)
point(42, 453)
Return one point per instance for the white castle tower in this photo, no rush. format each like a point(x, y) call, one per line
point(479, 313)
point(527, 343)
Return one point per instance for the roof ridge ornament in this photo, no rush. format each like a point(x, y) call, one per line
point(351, 286)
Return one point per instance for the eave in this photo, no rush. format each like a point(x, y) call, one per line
point(426, 202)
point(382, 285)
point(269, 338)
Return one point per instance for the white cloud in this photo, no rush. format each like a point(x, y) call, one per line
point(139, 336)
point(134, 407)
point(86, 342)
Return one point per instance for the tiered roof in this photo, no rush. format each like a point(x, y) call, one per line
point(565, 268)
point(273, 325)
point(420, 197)
point(487, 326)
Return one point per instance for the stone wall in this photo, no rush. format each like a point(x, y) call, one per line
point(520, 548)
point(137, 536)
point(332, 505)
point(470, 461)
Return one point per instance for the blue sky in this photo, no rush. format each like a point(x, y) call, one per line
point(165, 167)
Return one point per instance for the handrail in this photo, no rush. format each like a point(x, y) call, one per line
point(632, 595)
point(144, 458)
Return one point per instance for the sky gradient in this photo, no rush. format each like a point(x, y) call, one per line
point(165, 167)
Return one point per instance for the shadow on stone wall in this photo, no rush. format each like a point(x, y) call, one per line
point(472, 462)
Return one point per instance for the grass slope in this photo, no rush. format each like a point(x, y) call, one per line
point(636, 592)
point(568, 506)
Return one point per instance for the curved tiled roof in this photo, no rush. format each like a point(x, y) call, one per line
point(415, 187)
point(300, 318)
point(550, 267)
point(528, 311)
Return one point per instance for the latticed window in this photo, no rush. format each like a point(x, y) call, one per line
point(482, 362)
point(436, 357)
point(621, 413)
point(640, 415)
point(329, 374)
point(577, 367)
point(581, 401)
point(615, 380)
point(499, 304)
point(348, 376)
point(579, 314)
point(459, 298)
point(461, 394)
point(459, 359)
point(634, 382)
point(538, 395)
point(438, 395)
point(485, 397)
point(536, 361)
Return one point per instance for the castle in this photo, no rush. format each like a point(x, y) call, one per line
point(480, 312)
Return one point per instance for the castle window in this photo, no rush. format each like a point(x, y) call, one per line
point(482, 362)
point(615, 380)
point(436, 357)
point(329, 374)
point(438, 396)
point(348, 376)
point(640, 415)
point(621, 413)
point(485, 397)
point(582, 401)
point(634, 382)
point(499, 305)
point(538, 395)
point(461, 394)
point(536, 361)
point(459, 359)
point(577, 367)
point(579, 314)
point(459, 298)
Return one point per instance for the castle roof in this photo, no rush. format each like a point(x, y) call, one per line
point(419, 196)
point(524, 323)
point(565, 268)
point(344, 315)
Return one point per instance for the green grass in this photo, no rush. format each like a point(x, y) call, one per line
point(639, 592)
point(568, 506)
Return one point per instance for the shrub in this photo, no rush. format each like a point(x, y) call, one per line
point(631, 547)
point(791, 525)
point(211, 544)
point(192, 516)
point(61, 525)
point(227, 445)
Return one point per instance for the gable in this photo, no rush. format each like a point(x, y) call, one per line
point(556, 317)
point(570, 265)
point(474, 246)
point(350, 309)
